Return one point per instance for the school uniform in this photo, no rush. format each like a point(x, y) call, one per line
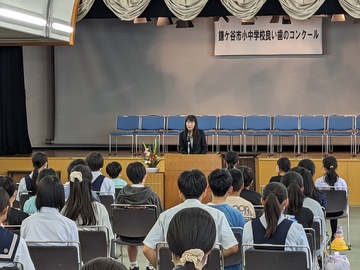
point(22, 188)
point(102, 184)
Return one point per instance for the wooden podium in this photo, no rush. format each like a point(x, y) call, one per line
point(175, 164)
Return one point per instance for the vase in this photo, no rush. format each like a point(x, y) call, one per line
point(152, 170)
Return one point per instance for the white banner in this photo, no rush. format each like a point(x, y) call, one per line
point(265, 38)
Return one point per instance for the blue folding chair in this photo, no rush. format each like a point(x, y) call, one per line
point(230, 126)
point(258, 126)
point(174, 125)
point(285, 126)
point(150, 126)
point(126, 126)
point(357, 132)
point(312, 126)
point(208, 123)
point(341, 126)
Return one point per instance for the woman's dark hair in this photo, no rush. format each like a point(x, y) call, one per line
point(237, 179)
point(248, 174)
point(102, 263)
point(296, 199)
point(38, 160)
point(191, 228)
point(50, 193)
point(79, 203)
point(231, 158)
point(330, 164)
point(4, 199)
point(274, 194)
point(284, 164)
point(196, 132)
point(307, 164)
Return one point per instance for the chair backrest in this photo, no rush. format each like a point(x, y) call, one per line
point(175, 122)
point(357, 122)
point(133, 220)
point(310, 235)
point(258, 122)
point(336, 200)
point(152, 122)
point(107, 200)
point(94, 242)
point(317, 229)
point(231, 122)
point(13, 228)
point(259, 210)
point(340, 122)
point(128, 122)
point(207, 122)
point(286, 122)
point(312, 122)
point(236, 257)
point(23, 198)
point(215, 260)
point(164, 258)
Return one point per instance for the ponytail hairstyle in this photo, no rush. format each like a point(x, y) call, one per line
point(38, 160)
point(274, 194)
point(296, 199)
point(307, 164)
point(330, 164)
point(196, 132)
point(231, 158)
point(79, 207)
point(284, 164)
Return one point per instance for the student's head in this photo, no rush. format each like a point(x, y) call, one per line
point(274, 199)
point(192, 184)
point(50, 193)
point(294, 183)
point(95, 161)
point(248, 175)
point(283, 165)
point(231, 159)
point(330, 165)
point(191, 123)
point(39, 161)
point(136, 172)
point(307, 164)
point(237, 179)
point(4, 203)
point(45, 172)
point(220, 181)
point(189, 229)
point(74, 163)
point(102, 263)
point(308, 183)
point(113, 169)
point(292, 177)
point(9, 184)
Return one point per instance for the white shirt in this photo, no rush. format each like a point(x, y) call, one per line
point(22, 187)
point(107, 187)
point(340, 184)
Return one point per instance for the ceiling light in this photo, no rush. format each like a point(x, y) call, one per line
point(250, 21)
point(62, 27)
point(22, 17)
point(162, 21)
point(338, 18)
point(141, 20)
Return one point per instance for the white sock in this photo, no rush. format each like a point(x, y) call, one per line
point(133, 264)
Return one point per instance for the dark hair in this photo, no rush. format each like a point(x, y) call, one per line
point(309, 188)
point(330, 164)
point(9, 184)
point(79, 203)
point(284, 164)
point(113, 169)
point(41, 175)
point(75, 162)
point(237, 179)
point(248, 174)
point(95, 161)
point(307, 164)
point(38, 160)
point(191, 228)
point(136, 172)
point(292, 177)
point(231, 159)
point(102, 263)
point(50, 193)
point(192, 183)
point(274, 194)
point(4, 199)
point(220, 180)
point(296, 199)
point(196, 133)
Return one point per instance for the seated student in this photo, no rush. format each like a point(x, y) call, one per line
point(283, 165)
point(191, 237)
point(102, 263)
point(27, 183)
point(15, 216)
point(192, 189)
point(48, 224)
point(220, 181)
point(137, 194)
point(100, 183)
point(231, 159)
point(272, 227)
point(114, 169)
point(12, 247)
point(81, 207)
point(29, 205)
point(294, 184)
point(234, 199)
point(248, 194)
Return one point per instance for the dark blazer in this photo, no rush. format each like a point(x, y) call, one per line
point(199, 144)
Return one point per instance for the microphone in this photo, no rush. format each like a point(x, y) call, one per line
point(188, 142)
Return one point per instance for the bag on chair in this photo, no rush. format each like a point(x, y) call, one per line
point(337, 262)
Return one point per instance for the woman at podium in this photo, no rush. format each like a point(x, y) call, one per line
point(192, 139)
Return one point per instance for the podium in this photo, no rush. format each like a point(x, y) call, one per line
point(175, 164)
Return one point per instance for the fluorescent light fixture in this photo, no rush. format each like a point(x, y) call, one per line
point(22, 17)
point(250, 21)
point(162, 21)
point(62, 27)
point(338, 18)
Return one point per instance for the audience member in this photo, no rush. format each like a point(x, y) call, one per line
point(248, 194)
point(14, 216)
point(12, 247)
point(102, 263)
point(192, 189)
point(282, 166)
point(137, 194)
point(231, 159)
point(28, 183)
point(191, 237)
point(307, 164)
point(192, 139)
point(114, 169)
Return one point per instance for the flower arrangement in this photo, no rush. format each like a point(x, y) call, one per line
point(151, 157)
